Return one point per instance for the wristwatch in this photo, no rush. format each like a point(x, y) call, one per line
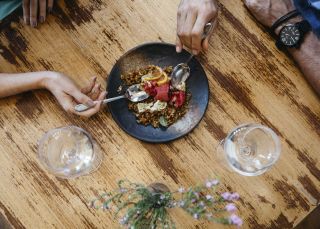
point(291, 35)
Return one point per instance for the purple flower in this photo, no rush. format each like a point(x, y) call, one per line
point(196, 215)
point(162, 197)
point(181, 189)
point(236, 220)
point(122, 190)
point(196, 194)
point(193, 200)
point(214, 182)
point(209, 197)
point(231, 207)
point(234, 196)
point(226, 195)
point(209, 184)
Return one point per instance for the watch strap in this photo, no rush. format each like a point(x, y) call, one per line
point(284, 18)
point(304, 26)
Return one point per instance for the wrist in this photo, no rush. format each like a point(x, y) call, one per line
point(47, 78)
point(291, 21)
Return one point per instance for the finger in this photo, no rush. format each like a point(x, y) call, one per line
point(80, 97)
point(93, 110)
point(178, 45)
point(196, 35)
point(43, 10)
point(88, 89)
point(187, 29)
point(50, 6)
point(33, 12)
point(181, 17)
point(95, 92)
point(205, 43)
point(66, 102)
point(26, 11)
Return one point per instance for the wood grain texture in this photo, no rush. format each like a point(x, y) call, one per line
point(250, 81)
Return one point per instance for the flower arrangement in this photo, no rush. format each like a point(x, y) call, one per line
point(147, 206)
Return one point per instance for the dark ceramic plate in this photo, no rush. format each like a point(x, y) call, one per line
point(160, 54)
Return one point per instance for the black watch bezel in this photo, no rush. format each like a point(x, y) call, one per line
point(297, 42)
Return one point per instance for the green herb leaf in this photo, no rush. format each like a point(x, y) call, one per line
point(163, 121)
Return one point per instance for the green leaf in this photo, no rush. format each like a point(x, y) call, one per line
point(163, 121)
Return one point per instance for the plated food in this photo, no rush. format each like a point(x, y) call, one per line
point(158, 54)
point(166, 104)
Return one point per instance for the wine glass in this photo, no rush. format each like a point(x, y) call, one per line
point(250, 149)
point(69, 152)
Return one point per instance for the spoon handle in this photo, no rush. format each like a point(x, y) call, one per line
point(190, 58)
point(83, 107)
point(113, 99)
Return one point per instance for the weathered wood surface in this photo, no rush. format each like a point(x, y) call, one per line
point(250, 81)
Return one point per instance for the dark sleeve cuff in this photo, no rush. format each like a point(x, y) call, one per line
point(310, 11)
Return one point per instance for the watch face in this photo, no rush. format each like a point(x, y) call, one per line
point(290, 35)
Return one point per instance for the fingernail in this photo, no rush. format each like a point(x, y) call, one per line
point(26, 21)
point(34, 24)
point(90, 103)
point(178, 49)
point(41, 19)
point(195, 52)
point(50, 10)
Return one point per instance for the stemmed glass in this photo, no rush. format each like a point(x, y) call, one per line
point(250, 149)
point(69, 152)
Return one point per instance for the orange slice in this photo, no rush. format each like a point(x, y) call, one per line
point(155, 75)
point(163, 80)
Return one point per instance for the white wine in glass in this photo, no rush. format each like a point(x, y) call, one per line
point(69, 152)
point(251, 149)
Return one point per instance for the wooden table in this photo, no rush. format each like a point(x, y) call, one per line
point(250, 81)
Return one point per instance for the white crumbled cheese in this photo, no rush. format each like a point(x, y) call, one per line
point(181, 86)
point(158, 106)
point(142, 107)
point(152, 107)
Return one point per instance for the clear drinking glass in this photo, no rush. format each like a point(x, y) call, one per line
point(69, 152)
point(250, 149)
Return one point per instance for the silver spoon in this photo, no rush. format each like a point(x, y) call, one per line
point(133, 93)
point(181, 72)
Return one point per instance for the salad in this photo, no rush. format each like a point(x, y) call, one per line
point(166, 104)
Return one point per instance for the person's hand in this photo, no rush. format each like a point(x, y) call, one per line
point(35, 11)
point(268, 11)
point(193, 15)
point(68, 94)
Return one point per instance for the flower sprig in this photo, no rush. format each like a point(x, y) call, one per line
point(147, 207)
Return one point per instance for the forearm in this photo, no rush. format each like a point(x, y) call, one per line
point(11, 84)
point(308, 59)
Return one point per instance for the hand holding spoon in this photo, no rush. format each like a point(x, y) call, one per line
point(133, 93)
point(181, 72)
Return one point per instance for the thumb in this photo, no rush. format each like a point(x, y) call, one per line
point(178, 45)
point(81, 98)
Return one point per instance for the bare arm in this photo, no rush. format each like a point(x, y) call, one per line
point(308, 59)
point(61, 86)
point(307, 56)
point(11, 84)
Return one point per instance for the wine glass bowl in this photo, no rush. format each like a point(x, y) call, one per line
point(69, 152)
point(251, 149)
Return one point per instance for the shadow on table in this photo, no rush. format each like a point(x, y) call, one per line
point(311, 221)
